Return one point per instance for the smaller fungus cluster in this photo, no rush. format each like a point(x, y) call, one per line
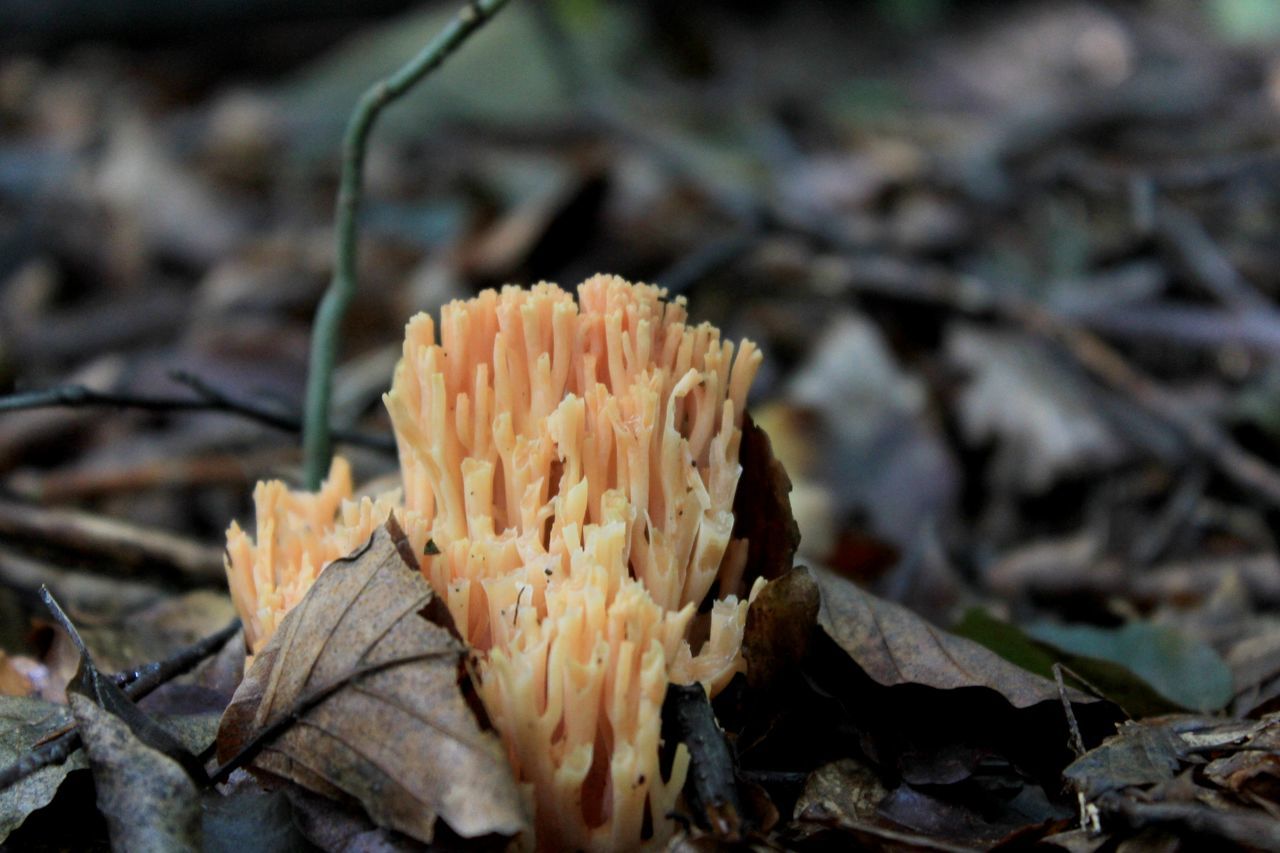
point(569, 472)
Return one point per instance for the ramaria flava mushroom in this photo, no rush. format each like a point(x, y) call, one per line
point(569, 474)
point(299, 533)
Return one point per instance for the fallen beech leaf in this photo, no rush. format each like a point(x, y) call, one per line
point(878, 450)
point(982, 823)
point(895, 646)
point(368, 665)
point(1138, 755)
point(1146, 753)
point(148, 799)
point(1039, 416)
point(840, 809)
point(841, 790)
point(104, 692)
point(1252, 774)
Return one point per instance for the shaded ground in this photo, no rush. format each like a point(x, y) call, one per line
point(1014, 268)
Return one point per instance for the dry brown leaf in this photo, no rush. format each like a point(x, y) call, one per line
point(394, 729)
point(895, 646)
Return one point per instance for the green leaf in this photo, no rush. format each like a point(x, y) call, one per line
point(1183, 670)
point(1246, 20)
point(1115, 682)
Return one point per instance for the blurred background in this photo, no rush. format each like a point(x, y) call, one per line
point(1014, 267)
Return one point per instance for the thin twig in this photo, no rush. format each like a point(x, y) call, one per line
point(1077, 742)
point(169, 471)
point(1253, 830)
point(209, 400)
point(1251, 473)
point(90, 590)
point(712, 257)
point(136, 684)
point(125, 543)
point(342, 288)
point(972, 296)
point(1186, 325)
point(1187, 238)
point(898, 839)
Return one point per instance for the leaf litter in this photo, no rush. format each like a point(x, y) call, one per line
point(971, 463)
point(25, 722)
point(150, 801)
point(361, 692)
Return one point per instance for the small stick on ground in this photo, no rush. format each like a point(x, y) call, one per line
point(163, 473)
point(121, 542)
point(209, 399)
point(1186, 238)
point(970, 296)
point(136, 684)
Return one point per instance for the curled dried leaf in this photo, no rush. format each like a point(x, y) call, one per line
point(361, 693)
point(895, 646)
point(780, 625)
point(762, 507)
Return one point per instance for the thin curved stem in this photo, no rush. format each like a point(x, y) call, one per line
point(210, 399)
point(316, 438)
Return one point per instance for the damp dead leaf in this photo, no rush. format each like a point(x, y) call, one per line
point(148, 799)
point(1186, 773)
point(15, 676)
point(843, 790)
point(339, 828)
point(840, 809)
point(362, 692)
point(1038, 416)
point(25, 721)
point(895, 646)
point(762, 507)
point(248, 818)
point(780, 624)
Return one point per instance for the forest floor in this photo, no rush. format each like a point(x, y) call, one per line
point(1015, 273)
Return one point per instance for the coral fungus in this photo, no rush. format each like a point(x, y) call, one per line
point(574, 465)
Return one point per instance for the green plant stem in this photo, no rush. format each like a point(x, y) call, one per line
point(316, 439)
